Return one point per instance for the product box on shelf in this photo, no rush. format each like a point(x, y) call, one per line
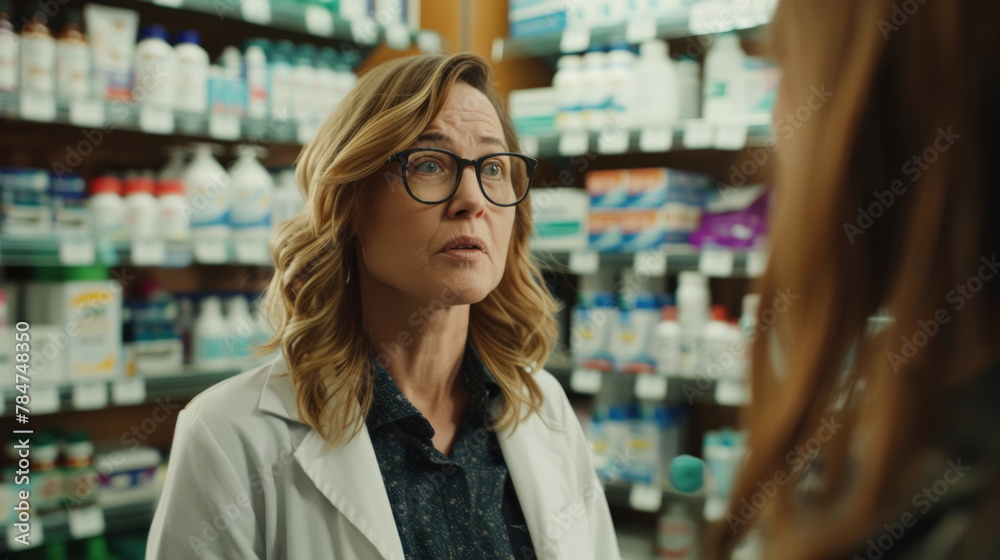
point(25, 201)
point(536, 17)
point(655, 186)
point(734, 219)
point(560, 219)
point(127, 475)
point(533, 111)
point(606, 230)
point(608, 188)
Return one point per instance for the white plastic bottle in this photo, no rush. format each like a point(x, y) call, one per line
point(9, 49)
point(657, 93)
point(326, 86)
point(716, 356)
point(689, 82)
point(38, 57)
point(568, 83)
point(72, 59)
point(256, 75)
point(287, 197)
point(108, 207)
point(209, 337)
point(154, 82)
point(667, 343)
point(621, 83)
point(279, 61)
point(304, 84)
point(192, 73)
point(207, 185)
point(596, 90)
point(240, 330)
point(635, 355)
point(172, 210)
point(724, 78)
point(141, 209)
point(252, 191)
point(692, 314)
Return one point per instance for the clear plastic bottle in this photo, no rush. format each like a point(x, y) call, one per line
point(255, 73)
point(252, 191)
point(155, 79)
point(9, 49)
point(192, 73)
point(72, 58)
point(108, 207)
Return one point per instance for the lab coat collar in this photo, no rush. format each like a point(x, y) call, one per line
point(349, 475)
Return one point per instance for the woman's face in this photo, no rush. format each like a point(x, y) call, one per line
point(409, 247)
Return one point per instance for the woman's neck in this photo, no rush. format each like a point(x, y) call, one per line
point(420, 343)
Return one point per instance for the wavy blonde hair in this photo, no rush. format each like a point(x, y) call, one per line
point(311, 302)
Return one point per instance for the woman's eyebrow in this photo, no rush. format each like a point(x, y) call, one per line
point(440, 138)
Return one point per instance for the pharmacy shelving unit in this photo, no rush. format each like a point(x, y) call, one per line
point(696, 134)
point(101, 394)
point(85, 250)
point(716, 148)
point(712, 16)
point(117, 519)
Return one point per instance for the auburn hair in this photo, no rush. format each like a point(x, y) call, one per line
point(885, 202)
point(313, 300)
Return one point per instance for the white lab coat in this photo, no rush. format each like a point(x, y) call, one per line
point(247, 479)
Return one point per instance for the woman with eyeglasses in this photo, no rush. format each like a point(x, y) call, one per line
point(407, 415)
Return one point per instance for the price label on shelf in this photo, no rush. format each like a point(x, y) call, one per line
point(716, 263)
point(364, 30)
point(44, 399)
point(148, 252)
point(654, 140)
point(397, 36)
point(130, 390)
point(429, 42)
point(169, 3)
point(155, 120)
point(650, 387)
point(731, 392)
point(645, 497)
point(586, 381)
point(86, 522)
point(640, 30)
point(211, 251)
point(251, 251)
point(650, 263)
point(733, 137)
point(319, 21)
point(86, 112)
point(574, 143)
point(529, 146)
point(35, 107)
point(698, 135)
point(90, 395)
point(224, 127)
point(584, 261)
point(756, 263)
point(256, 11)
point(612, 141)
point(575, 40)
point(76, 252)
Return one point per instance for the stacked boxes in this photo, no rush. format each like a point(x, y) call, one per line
point(641, 209)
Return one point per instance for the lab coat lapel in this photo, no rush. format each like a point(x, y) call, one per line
point(537, 471)
point(350, 478)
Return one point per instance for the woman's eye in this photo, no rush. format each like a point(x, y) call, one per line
point(428, 167)
point(492, 170)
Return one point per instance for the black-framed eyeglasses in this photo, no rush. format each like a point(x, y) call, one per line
point(432, 175)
